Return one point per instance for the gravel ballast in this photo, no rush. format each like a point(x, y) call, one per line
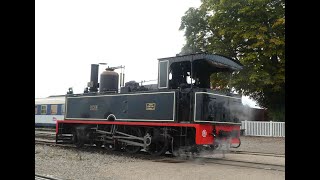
point(69, 163)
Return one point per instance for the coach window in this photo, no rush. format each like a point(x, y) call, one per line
point(36, 107)
point(43, 109)
point(54, 109)
point(62, 109)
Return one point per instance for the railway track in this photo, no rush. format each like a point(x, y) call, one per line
point(229, 162)
point(52, 143)
point(247, 164)
point(44, 177)
point(45, 129)
point(42, 130)
point(170, 159)
point(48, 138)
point(45, 134)
point(257, 153)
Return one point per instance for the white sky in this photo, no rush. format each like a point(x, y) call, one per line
point(70, 35)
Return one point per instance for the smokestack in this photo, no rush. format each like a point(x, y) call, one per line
point(123, 79)
point(120, 80)
point(93, 84)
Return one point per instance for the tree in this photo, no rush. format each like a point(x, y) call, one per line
point(251, 31)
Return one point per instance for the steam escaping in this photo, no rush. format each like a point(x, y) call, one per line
point(239, 112)
point(217, 151)
point(222, 108)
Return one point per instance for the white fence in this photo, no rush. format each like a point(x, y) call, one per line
point(260, 128)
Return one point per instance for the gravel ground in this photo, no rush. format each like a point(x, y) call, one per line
point(81, 164)
point(262, 144)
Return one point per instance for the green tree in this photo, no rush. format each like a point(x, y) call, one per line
point(251, 31)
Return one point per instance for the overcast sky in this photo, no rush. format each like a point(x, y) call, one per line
point(70, 35)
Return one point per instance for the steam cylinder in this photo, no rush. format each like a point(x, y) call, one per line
point(109, 80)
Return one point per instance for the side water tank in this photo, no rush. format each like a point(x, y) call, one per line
point(109, 80)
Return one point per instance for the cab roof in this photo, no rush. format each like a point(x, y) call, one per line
point(214, 60)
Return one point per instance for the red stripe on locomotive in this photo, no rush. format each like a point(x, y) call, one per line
point(204, 132)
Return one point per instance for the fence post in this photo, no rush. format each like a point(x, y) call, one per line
point(271, 129)
point(245, 127)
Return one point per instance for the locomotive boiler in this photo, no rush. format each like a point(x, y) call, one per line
point(179, 112)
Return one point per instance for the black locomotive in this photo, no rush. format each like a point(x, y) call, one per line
point(179, 112)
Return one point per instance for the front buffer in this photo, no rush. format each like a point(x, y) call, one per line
point(214, 134)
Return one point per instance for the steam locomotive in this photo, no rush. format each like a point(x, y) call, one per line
point(179, 112)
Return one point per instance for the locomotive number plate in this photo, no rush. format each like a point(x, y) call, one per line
point(93, 107)
point(150, 106)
